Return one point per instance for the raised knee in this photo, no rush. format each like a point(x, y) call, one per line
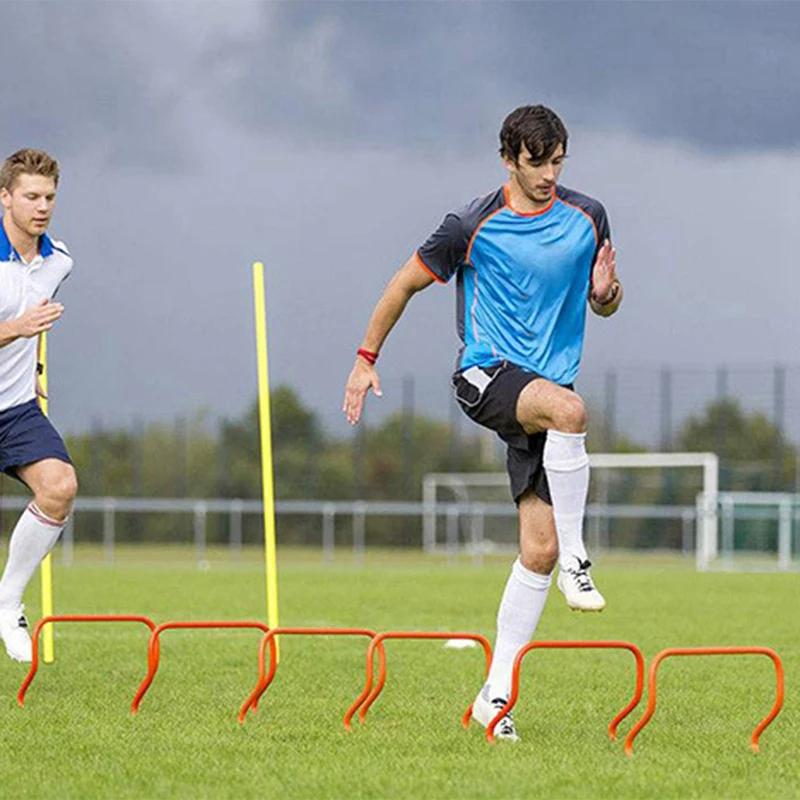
point(572, 417)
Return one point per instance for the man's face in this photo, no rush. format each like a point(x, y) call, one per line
point(30, 203)
point(537, 178)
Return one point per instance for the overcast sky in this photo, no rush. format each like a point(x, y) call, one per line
point(329, 139)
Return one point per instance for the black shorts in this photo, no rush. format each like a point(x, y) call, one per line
point(488, 396)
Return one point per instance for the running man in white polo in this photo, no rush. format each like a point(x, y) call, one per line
point(32, 267)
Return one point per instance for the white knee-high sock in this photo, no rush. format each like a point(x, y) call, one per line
point(520, 609)
point(32, 539)
point(567, 467)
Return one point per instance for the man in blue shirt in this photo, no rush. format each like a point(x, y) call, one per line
point(527, 258)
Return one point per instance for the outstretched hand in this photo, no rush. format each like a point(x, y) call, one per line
point(361, 379)
point(604, 272)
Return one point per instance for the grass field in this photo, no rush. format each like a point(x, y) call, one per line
point(76, 738)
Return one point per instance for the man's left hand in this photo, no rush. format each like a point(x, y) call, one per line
point(604, 273)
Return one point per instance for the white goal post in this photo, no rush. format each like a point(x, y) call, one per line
point(744, 506)
point(707, 500)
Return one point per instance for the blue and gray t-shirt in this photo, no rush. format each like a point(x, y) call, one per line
point(522, 279)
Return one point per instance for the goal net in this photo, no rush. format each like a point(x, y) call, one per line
point(758, 530)
point(637, 501)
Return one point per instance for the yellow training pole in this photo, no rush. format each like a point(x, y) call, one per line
point(48, 640)
point(266, 446)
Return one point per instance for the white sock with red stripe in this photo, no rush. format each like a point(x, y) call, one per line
point(31, 540)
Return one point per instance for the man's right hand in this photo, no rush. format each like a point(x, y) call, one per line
point(37, 319)
point(362, 377)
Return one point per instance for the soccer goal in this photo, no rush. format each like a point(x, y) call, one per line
point(637, 492)
point(758, 531)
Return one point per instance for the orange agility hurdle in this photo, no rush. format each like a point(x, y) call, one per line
point(709, 651)
point(612, 728)
point(72, 618)
point(264, 680)
point(369, 695)
point(153, 647)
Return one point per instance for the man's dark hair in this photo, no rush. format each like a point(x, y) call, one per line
point(537, 127)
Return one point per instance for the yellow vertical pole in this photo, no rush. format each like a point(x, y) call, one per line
point(48, 639)
point(267, 485)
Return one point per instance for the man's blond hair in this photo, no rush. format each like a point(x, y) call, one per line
point(27, 162)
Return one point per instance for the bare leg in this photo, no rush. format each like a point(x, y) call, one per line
point(544, 406)
point(54, 486)
point(538, 543)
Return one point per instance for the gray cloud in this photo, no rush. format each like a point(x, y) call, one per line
point(718, 76)
point(197, 137)
point(85, 78)
point(123, 80)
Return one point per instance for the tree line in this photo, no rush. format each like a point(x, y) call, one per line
point(193, 458)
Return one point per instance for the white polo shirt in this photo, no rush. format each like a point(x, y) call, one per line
point(23, 285)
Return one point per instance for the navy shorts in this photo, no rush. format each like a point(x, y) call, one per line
point(27, 436)
point(488, 396)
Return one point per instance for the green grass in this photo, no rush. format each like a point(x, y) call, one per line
point(76, 738)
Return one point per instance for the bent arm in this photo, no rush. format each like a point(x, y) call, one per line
point(35, 320)
point(605, 290)
point(9, 332)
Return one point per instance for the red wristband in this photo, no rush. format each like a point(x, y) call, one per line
point(367, 355)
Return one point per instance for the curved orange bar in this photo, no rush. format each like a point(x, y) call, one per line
point(369, 695)
point(73, 618)
point(153, 648)
point(608, 645)
point(710, 651)
point(367, 686)
point(264, 680)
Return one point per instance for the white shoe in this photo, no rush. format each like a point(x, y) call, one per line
point(14, 632)
point(484, 711)
point(578, 588)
